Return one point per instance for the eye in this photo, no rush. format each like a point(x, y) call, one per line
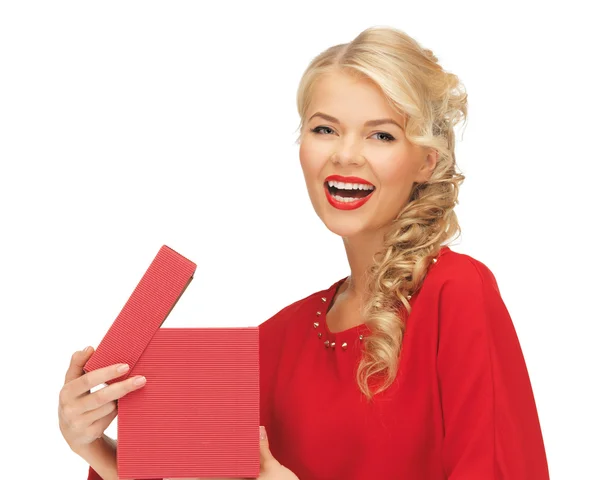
point(317, 130)
point(386, 136)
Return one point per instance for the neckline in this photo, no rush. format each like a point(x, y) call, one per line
point(354, 331)
point(361, 328)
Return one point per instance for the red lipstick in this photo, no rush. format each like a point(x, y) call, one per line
point(340, 178)
point(347, 205)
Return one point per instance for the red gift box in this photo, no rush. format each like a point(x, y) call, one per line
point(198, 414)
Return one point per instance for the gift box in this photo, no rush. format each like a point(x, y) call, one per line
point(198, 414)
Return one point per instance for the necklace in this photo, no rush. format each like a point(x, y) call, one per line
point(319, 328)
point(317, 324)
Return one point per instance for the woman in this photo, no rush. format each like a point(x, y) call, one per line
point(410, 367)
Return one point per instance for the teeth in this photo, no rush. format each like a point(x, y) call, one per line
point(345, 199)
point(350, 186)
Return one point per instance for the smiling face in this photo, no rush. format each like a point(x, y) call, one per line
point(342, 137)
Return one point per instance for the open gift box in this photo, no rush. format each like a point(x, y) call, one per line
point(198, 414)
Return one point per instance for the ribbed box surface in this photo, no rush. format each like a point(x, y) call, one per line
point(198, 414)
point(156, 294)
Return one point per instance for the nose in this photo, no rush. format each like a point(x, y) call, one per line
point(348, 152)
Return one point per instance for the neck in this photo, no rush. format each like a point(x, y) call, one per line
point(360, 251)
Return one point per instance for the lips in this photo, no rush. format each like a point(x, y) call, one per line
point(347, 193)
point(340, 178)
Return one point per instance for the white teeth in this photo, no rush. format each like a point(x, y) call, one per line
point(350, 186)
point(345, 199)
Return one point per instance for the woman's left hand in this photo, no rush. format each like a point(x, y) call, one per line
point(270, 468)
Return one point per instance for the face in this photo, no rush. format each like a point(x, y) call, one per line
point(359, 173)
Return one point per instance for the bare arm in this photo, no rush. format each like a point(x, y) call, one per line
point(101, 455)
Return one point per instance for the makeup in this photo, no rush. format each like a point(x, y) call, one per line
point(347, 193)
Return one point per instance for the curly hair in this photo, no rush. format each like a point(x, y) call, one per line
point(433, 101)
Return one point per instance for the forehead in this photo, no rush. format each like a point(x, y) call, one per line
point(349, 98)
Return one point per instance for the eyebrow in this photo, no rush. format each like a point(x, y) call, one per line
point(369, 123)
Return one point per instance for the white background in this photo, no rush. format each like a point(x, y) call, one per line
point(128, 125)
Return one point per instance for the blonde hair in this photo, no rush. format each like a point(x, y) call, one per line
point(433, 101)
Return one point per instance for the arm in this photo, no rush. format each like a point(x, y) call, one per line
point(102, 459)
point(490, 418)
point(101, 455)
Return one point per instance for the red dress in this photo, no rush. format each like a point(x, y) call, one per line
point(461, 408)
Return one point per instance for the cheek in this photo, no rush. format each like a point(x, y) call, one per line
point(396, 181)
point(311, 161)
point(396, 176)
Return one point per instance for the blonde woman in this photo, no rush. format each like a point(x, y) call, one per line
point(409, 367)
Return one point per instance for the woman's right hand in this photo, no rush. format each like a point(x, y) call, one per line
point(83, 416)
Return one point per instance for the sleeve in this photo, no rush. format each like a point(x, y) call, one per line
point(491, 425)
point(92, 475)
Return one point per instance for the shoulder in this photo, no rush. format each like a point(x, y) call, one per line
point(459, 274)
point(460, 290)
point(462, 294)
point(285, 328)
point(293, 313)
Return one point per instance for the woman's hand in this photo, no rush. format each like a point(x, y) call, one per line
point(270, 468)
point(84, 416)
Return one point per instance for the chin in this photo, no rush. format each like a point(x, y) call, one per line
point(345, 228)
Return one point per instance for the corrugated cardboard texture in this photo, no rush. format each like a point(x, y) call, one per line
point(198, 414)
point(147, 308)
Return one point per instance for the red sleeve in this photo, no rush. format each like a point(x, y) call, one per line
point(92, 475)
point(491, 423)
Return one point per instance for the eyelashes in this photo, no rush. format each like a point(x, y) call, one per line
point(387, 137)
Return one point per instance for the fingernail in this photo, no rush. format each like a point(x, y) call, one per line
point(263, 433)
point(137, 381)
point(86, 349)
point(122, 368)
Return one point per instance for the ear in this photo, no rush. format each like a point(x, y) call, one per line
point(428, 166)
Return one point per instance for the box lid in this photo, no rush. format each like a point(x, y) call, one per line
point(149, 305)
